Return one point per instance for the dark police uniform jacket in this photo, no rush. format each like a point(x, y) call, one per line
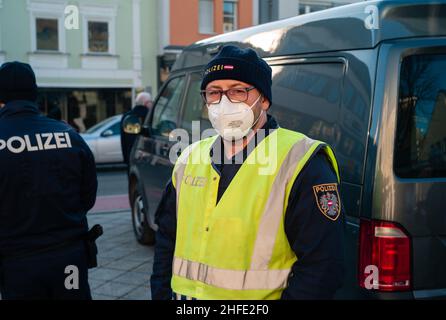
point(47, 181)
point(127, 140)
point(316, 239)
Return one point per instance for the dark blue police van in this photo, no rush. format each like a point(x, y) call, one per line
point(369, 79)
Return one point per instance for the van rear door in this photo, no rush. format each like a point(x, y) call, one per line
point(410, 171)
point(420, 161)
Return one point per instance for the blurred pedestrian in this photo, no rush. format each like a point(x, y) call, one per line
point(47, 184)
point(143, 105)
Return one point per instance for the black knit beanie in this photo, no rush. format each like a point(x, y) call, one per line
point(17, 82)
point(240, 64)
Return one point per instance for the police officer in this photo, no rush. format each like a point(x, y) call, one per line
point(255, 212)
point(47, 185)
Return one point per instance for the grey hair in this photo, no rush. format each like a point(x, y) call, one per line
point(143, 98)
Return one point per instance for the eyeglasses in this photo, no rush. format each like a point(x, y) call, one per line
point(213, 96)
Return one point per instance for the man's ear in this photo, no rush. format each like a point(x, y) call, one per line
point(265, 103)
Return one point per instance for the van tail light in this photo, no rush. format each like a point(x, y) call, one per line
point(385, 250)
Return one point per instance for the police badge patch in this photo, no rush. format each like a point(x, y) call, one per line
point(327, 199)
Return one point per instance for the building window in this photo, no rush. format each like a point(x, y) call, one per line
point(47, 34)
point(98, 37)
point(307, 7)
point(229, 16)
point(206, 16)
point(268, 11)
point(46, 21)
point(99, 29)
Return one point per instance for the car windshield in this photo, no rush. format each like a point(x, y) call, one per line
point(100, 125)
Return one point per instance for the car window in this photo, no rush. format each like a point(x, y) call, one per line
point(116, 129)
point(420, 150)
point(167, 107)
point(194, 108)
point(100, 125)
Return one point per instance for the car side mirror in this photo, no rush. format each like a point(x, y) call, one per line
point(107, 133)
point(132, 125)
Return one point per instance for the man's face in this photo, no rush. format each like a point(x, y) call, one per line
point(1, 104)
point(253, 95)
point(149, 104)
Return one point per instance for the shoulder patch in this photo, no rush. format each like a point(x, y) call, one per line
point(328, 201)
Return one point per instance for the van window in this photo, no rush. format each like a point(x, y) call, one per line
point(420, 150)
point(307, 99)
point(167, 107)
point(194, 107)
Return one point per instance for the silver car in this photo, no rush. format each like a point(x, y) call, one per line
point(104, 140)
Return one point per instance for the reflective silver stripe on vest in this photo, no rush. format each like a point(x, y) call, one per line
point(180, 168)
point(179, 173)
point(231, 279)
point(273, 212)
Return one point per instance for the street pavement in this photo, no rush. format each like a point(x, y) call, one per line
point(112, 180)
point(112, 190)
point(124, 266)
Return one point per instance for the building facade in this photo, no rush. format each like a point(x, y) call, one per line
point(89, 56)
point(183, 22)
point(271, 10)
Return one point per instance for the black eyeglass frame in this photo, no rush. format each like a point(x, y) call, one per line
point(224, 92)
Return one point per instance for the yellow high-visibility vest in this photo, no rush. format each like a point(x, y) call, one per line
point(237, 248)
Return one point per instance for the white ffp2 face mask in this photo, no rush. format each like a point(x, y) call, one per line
point(232, 120)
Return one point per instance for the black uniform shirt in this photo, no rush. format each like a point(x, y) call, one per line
point(315, 237)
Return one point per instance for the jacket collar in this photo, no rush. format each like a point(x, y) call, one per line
point(217, 150)
point(17, 107)
point(271, 123)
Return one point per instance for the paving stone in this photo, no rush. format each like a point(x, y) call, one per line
point(102, 297)
point(145, 268)
point(115, 253)
point(105, 274)
point(140, 293)
point(102, 261)
point(95, 283)
point(114, 289)
point(124, 264)
point(134, 278)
